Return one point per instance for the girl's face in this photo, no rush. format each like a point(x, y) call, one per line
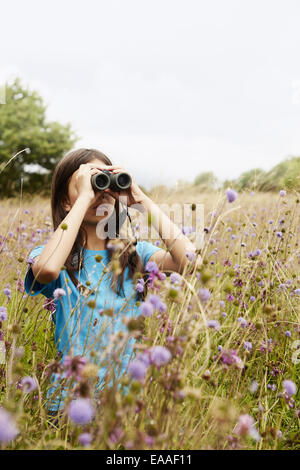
point(101, 207)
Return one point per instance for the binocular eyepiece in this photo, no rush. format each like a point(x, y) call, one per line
point(114, 181)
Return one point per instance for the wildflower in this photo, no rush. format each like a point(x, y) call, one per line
point(289, 387)
point(248, 345)
point(175, 278)
point(231, 195)
point(3, 313)
point(144, 358)
point(147, 309)
point(81, 411)
point(246, 427)
point(282, 193)
point(230, 357)
point(160, 355)
point(288, 334)
point(29, 384)
point(242, 321)
point(151, 267)
point(57, 293)
point(279, 234)
point(190, 255)
point(140, 285)
point(137, 369)
point(204, 294)
point(74, 365)
point(8, 428)
point(224, 314)
point(297, 291)
point(252, 298)
point(85, 439)
point(213, 324)
point(157, 303)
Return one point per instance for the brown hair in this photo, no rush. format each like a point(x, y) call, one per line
point(59, 193)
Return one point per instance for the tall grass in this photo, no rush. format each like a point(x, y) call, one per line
point(231, 327)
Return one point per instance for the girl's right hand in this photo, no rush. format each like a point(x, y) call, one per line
point(82, 180)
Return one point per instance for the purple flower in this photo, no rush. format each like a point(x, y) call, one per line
point(252, 298)
point(289, 387)
point(85, 439)
point(144, 358)
point(288, 334)
point(175, 278)
point(74, 365)
point(246, 427)
point(81, 411)
point(57, 293)
point(157, 303)
point(151, 267)
point(230, 357)
point(213, 324)
point(231, 195)
point(297, 291)
point(137, 369)
point(147, 309)
point(8, 428)
point(282, 193)
point(191, 255)
point(242, 321)
point(222, 303)
point(204, 294)
point(140, 285)
point(3, 313)
point(248, 345)
point(279, 234)
point(29, 384)
point(160, 355)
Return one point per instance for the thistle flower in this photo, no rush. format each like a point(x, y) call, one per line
point(3, 313)
point(289, 387)
point(248, 345)
point(57, 293)
point(8, 428)
point(213, 324)
point(157, 303)
point(137, 369)
point(151, 267)
point(282, 193)
point(246, 427)
point(147, 309)
point(204, 294)
point(85, 439)
point(231, 195)
point(160, 355)
point(74, 365)
point(175, 278)
point(81, 411)
point(140, 285)
point(29, 384)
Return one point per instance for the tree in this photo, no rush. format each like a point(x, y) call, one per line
point(206, 180)
point(23, 125)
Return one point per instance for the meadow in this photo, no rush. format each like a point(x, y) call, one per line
point(217, 352)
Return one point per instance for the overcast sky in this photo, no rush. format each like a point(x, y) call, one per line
point(166, 88)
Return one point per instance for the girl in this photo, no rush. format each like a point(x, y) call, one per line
point(92, 295)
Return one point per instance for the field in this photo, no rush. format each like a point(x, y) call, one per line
point(231, 381)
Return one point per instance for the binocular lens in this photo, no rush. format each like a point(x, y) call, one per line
point(123, 180)
point(102, 181)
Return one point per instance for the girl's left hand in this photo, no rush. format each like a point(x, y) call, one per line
point(130, 196)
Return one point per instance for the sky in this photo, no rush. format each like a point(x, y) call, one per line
point(166, 88)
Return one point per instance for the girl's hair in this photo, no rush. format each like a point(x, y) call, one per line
point(59, 193)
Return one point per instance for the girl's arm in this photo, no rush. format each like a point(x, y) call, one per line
point(47, 266)
point(177, 243)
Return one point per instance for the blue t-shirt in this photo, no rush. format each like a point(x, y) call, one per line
point(78, 321)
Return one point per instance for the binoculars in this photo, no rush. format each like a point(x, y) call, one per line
point(114, 181)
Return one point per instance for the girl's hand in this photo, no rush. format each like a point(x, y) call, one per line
point(82, 180)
